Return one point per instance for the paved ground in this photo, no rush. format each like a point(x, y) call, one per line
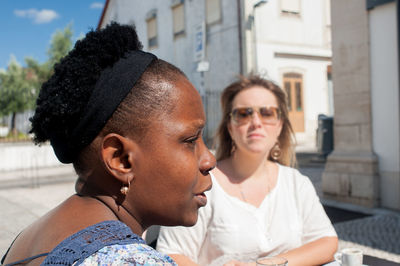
point(21, 206)
point(377, 234)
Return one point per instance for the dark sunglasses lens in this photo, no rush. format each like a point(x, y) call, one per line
point(242, 114)
point(267, 112)
point(269, 115)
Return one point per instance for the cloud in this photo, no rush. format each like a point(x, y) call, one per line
point(96, 5)
point(38, 16)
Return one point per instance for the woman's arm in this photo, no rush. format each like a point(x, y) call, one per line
point(182, 260)
point(318, 234)
point(316, 252)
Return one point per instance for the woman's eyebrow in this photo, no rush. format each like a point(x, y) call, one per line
point(199, 125)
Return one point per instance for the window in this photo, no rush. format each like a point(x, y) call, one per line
point(178, 14)
point(290, 7)
point(298, 93)
point(151, 19)
point(213, 11)
point(289, 95)
point(293, 85)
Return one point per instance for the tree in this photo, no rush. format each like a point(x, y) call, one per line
point(19, 86)
point(61, 44)
point(17, 92)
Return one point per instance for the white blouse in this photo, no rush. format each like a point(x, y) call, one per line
point(290, 216)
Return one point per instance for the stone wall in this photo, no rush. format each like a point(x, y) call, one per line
point(19, 156)
point(351, 173)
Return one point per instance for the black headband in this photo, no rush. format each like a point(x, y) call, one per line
point(110, 90)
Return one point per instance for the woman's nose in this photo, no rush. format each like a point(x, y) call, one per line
point(207, 160)
point(256, 119)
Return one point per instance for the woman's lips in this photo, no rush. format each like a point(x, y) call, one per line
point(255, 136)
point(201, 199)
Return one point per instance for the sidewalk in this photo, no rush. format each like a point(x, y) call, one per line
point(374, 230)
point(20, 206)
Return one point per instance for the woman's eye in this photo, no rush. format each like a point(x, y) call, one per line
point(192, 140)
point(267, 113)
point(245, 113)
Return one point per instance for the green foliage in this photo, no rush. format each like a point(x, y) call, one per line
point(12, 137)
point(42, 71)
point(19, 85)
point(61, 44)
point(17, 92)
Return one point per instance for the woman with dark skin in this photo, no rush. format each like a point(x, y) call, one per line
point(144, 164)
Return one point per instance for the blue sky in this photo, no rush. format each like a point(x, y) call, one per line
point(27, 25)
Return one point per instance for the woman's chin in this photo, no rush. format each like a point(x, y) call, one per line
point(188, 220)
point(257, 150)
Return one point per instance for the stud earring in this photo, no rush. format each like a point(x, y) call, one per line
point(276, 152)
point(125, 189)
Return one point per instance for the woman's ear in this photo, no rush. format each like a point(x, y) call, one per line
point(279, 129)
point(229, 127)
point(118, 153)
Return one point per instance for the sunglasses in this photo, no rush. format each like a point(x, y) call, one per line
point(267, 115)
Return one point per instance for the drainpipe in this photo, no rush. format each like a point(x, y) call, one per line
point(398, 38)
point(398, 44)
point(239, 17)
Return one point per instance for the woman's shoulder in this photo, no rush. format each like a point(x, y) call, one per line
point(292, 176)
point(88, 241)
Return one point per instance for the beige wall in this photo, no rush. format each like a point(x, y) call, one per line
point(385, 100)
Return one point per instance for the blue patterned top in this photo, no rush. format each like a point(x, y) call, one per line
point(133, 254)
point(106, 243)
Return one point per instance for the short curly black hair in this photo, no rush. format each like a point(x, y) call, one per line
point(63, 98)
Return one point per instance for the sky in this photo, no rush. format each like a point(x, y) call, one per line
point(27, 25)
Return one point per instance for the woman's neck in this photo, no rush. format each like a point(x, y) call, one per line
point(114, 207)
point(246, 165)
point(122, 214)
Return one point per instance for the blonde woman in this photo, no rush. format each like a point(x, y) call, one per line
point(258, 205)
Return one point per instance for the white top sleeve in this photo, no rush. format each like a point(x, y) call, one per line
point(316, 223)
point(290, 216)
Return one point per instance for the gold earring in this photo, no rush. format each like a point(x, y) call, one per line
point(276, 152)
point(125, 189)
point(233, 147)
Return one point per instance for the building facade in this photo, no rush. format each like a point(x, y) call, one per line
point(364, 166)
point(214, 41)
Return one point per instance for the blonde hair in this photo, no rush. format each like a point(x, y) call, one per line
point(286, 139)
